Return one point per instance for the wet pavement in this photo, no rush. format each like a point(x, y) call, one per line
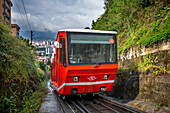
point(50, 103)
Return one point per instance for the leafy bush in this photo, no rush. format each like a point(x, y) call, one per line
point(148, 63)
point(19, 74)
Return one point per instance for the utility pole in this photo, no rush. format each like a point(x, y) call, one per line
point(32, 36)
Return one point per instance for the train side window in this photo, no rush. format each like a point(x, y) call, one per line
point(64, 53)
point(61, 40)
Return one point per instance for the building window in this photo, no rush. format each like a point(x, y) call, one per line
point(17, 29)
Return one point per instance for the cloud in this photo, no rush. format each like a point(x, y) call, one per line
point(52, 15)
point(37, 23)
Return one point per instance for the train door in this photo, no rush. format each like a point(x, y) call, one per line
point(56, 63)
point(54, 67)
point(58, 69)
point(62, 59)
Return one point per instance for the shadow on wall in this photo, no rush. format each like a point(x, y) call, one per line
point(126, 85)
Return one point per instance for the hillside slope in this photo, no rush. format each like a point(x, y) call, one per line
point(138, 22)
point(21, 77)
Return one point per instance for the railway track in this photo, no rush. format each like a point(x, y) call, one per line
point(97, 104)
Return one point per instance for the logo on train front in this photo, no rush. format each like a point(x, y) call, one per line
point(91, 78)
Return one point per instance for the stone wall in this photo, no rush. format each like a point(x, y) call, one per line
point(161, 59)
point(132, 84)
point(135, 52)
point(156, 89)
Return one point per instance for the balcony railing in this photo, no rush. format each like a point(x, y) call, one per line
point(6, 16)
point(8, 2)
point(6, 8)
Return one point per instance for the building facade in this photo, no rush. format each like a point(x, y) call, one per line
point(5, 15)
point(5, 10)
point(44, 59)
point(44, 50)
point(15, 30)
point(48, 50)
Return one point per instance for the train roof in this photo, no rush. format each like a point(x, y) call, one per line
point(87, 31)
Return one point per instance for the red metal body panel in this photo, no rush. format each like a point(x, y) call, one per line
point(90, 78)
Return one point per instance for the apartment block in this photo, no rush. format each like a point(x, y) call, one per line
point(5, 10)
point(15, 30)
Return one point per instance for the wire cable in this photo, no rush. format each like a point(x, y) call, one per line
point(21, 15)
point(26, 14)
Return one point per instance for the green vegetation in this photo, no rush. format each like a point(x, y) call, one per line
point(148, 63)
point(136, 104)
point(143, 108)
point(22, 80)
point(122, 72)
point(148, 99)
point(145, 64)
point(157, 107)
point(138, 22)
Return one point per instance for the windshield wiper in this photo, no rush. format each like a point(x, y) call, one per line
point(97, 65)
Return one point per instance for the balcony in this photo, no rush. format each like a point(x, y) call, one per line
point(6, 15)
point(6, 8)
point(8, 2)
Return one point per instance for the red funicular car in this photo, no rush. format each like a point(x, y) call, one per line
point(84, 61)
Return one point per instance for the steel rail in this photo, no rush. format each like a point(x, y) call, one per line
point(98, 102)
point(70, 107)
point(63, 105)
point(83, 106)
point(94, 107)
point(120, 105)
point(81, 110)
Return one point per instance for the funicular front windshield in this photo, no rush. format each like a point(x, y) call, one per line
point(91, 48)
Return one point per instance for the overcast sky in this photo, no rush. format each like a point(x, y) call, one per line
point(46, 17)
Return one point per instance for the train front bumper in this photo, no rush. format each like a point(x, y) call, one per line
point(87, 87)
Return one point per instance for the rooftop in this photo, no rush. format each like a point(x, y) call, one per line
point(15, 26)
point(87, 31)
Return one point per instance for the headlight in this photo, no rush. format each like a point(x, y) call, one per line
point(75, 78)
point(106, 77)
